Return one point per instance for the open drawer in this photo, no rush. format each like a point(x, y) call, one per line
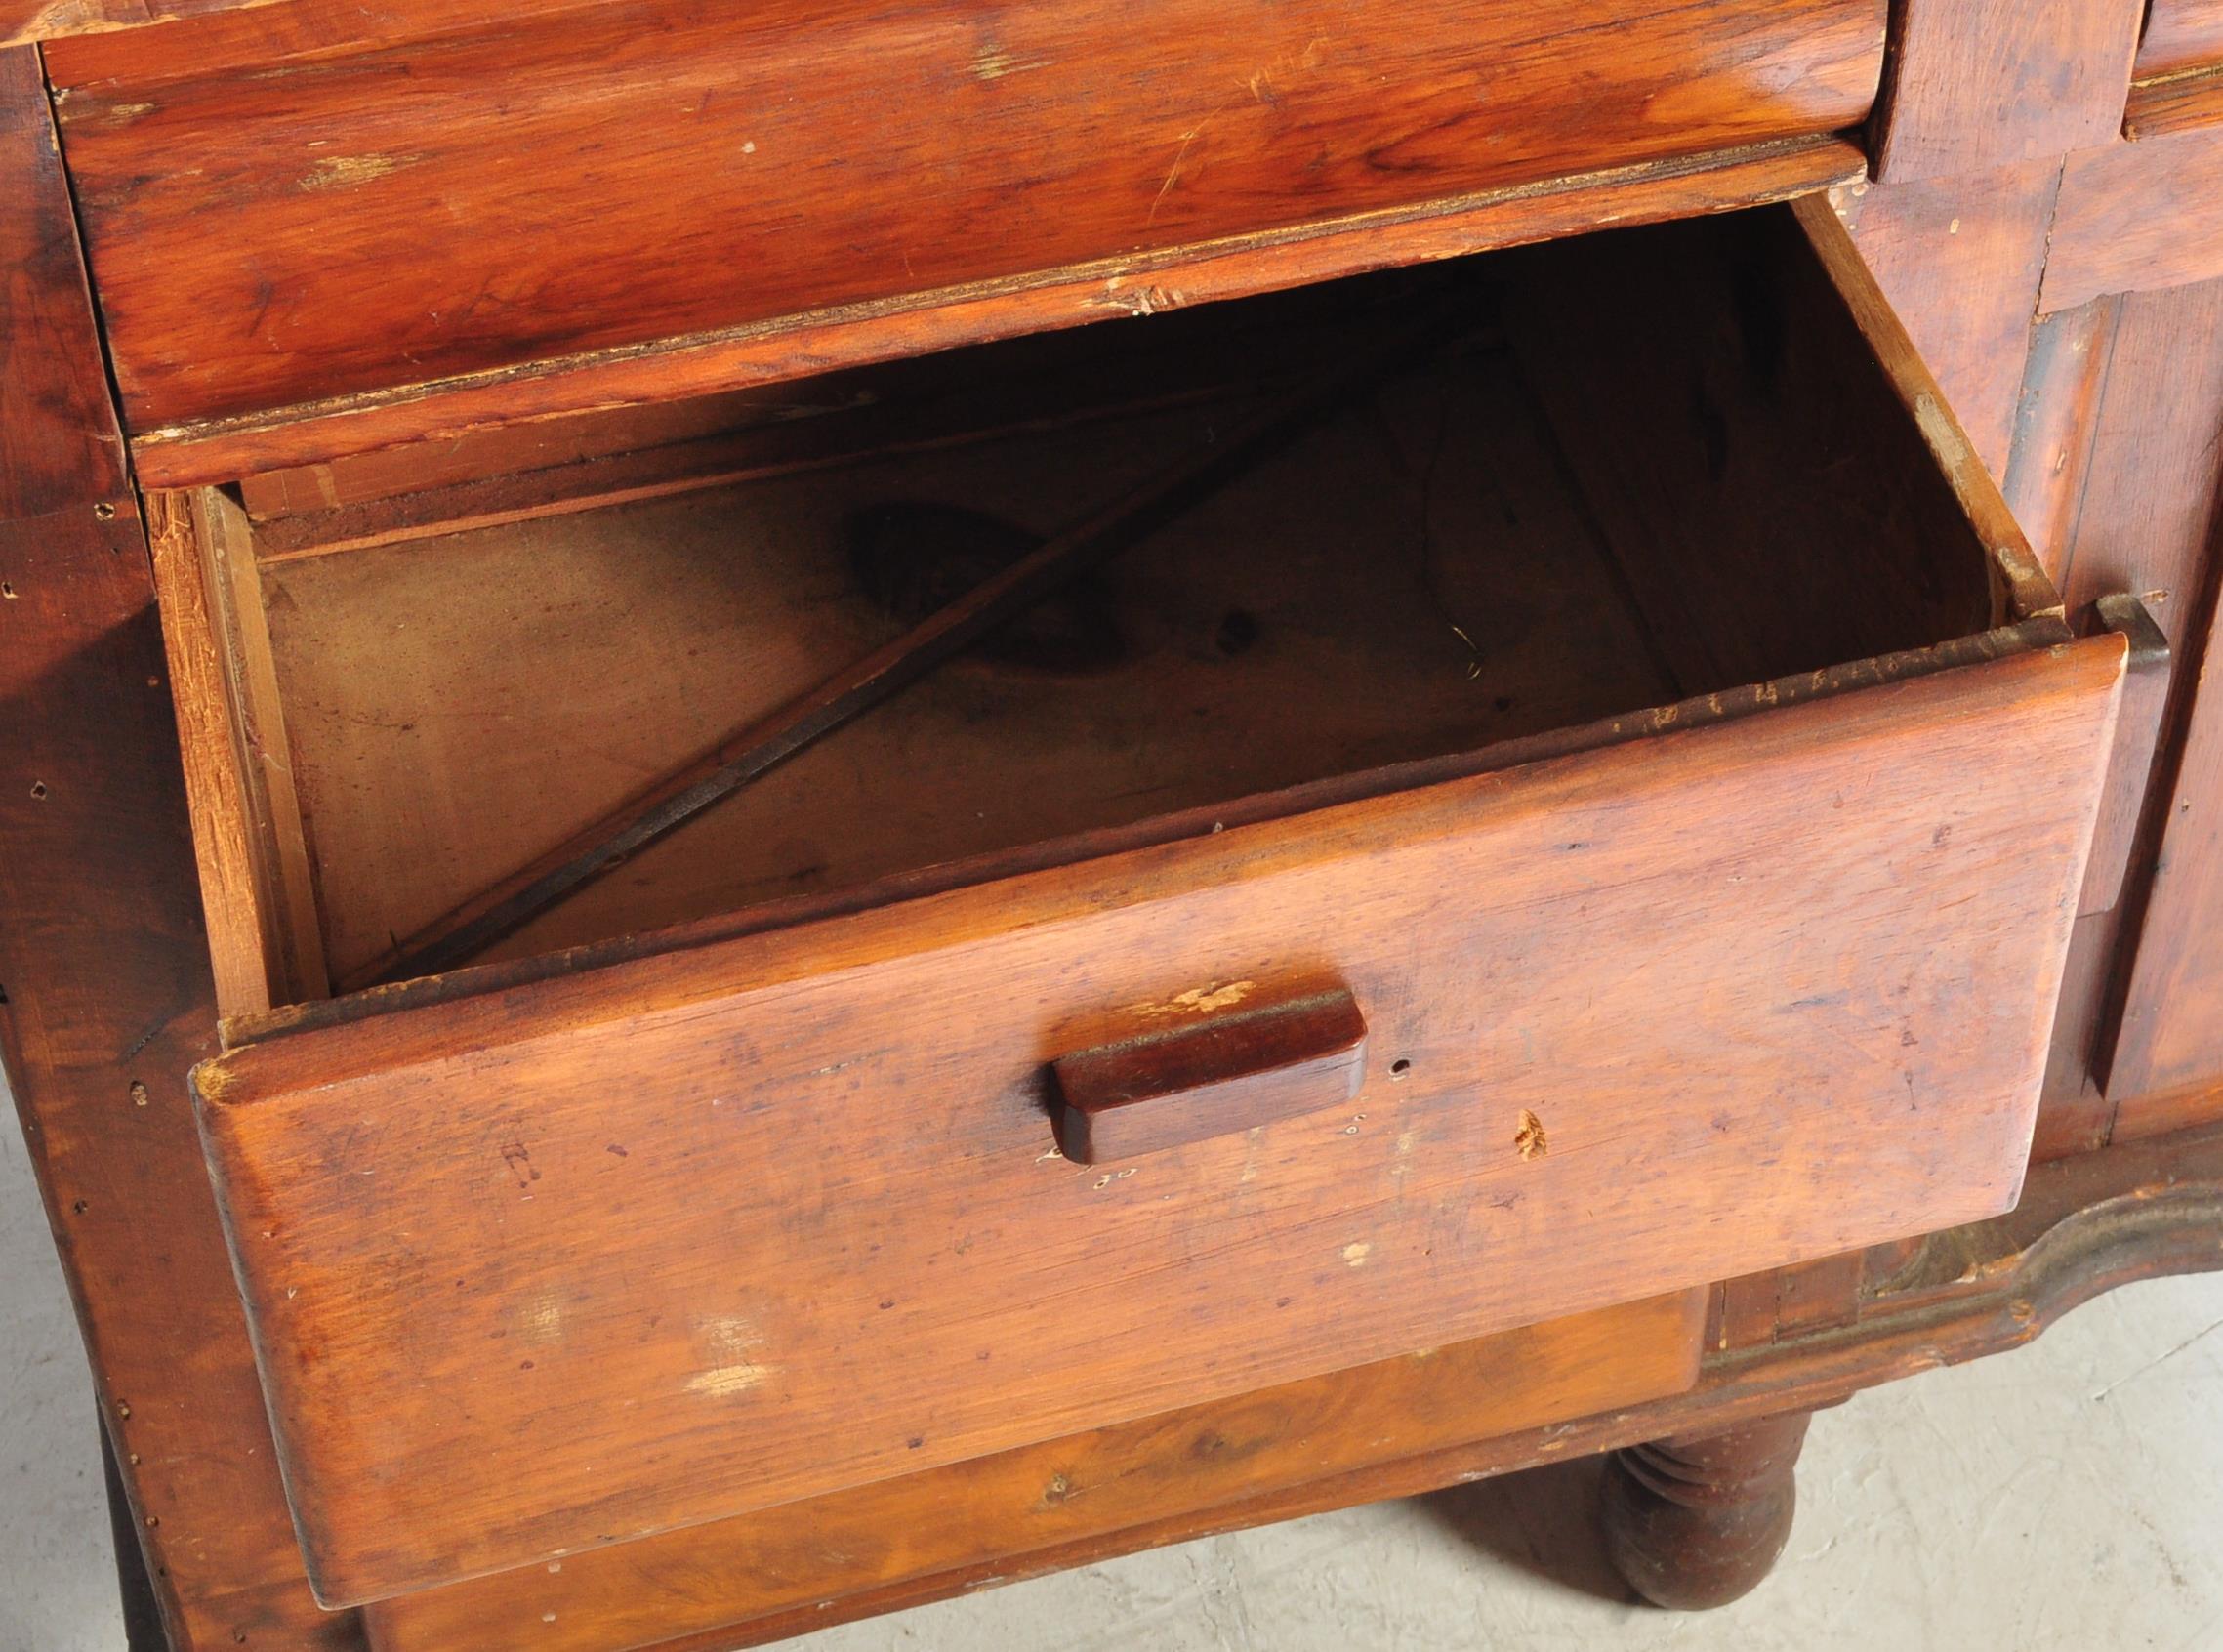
point(1597, 810)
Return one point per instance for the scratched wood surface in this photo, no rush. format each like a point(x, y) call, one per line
point(581, 188)
point(2137, 216)
point(105, 998)
point(1974, 85)
point(1089, 1486)
point(1960, 260)
point(644, 1184)
point(2181, 36)
point(2123, 414)
point(2085, 1227)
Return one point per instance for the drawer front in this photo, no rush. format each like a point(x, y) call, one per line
point(1351, 1437)
point(775, 1214)
point(605, 178)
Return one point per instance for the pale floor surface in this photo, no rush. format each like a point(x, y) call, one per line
point(2067, 1496)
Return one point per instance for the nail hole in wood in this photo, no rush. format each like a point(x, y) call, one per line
point(138, 1093)
point(105, 512)
point(1398, 1070)
point(38, 789)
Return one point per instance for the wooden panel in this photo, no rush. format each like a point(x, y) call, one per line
point(735, 1571)
point(104, 991)
point(2091, 1226)
point(59, 443)
point(2137, 216)
point(1960, 260)
point(2147, 371)
point(2181, 35)
point(377, 239)
point(2085, 1227)
point(1978, 84)
point(456, 411)
point(2171, 1032)
point(454, 1219)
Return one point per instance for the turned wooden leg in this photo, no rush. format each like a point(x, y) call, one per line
point(1697, 1520)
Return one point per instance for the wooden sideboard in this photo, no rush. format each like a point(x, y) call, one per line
point(909, 794)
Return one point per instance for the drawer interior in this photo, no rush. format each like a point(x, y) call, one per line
point(1581, 481)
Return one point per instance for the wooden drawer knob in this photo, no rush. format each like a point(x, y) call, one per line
point(1216, 1077)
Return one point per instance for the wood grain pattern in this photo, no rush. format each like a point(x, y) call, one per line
point(1078, 548)
point(510, 686)
point(235, 900)
point(1960, 260)
point(244, 31)
point(501, 1136)
point(378, 248)
point(2145, 522)
point(2186, 102)
point(257, 882)
point(2171, 1035)
point(1752, 377)
point(2137, 216)
point(2181, 36)
point(2137, 734)
point(1224, 1073)
point(1978, 84)
point(2056, 422)
point(105, 998)
point(2021, 589)
point(2082, 1228)
point(456, 411)
point(59, 443)
point(732, 1572)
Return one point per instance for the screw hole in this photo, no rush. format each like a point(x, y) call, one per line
point(7, 590)
point(138, 1093)
point(105, 512)
point(1398, 1070)
point(38, 789)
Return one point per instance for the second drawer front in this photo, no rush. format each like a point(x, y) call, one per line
point(728, 1228)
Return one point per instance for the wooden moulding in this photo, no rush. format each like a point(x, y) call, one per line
point(382, 277)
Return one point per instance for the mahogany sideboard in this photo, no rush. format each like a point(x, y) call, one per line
point(806, 807)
